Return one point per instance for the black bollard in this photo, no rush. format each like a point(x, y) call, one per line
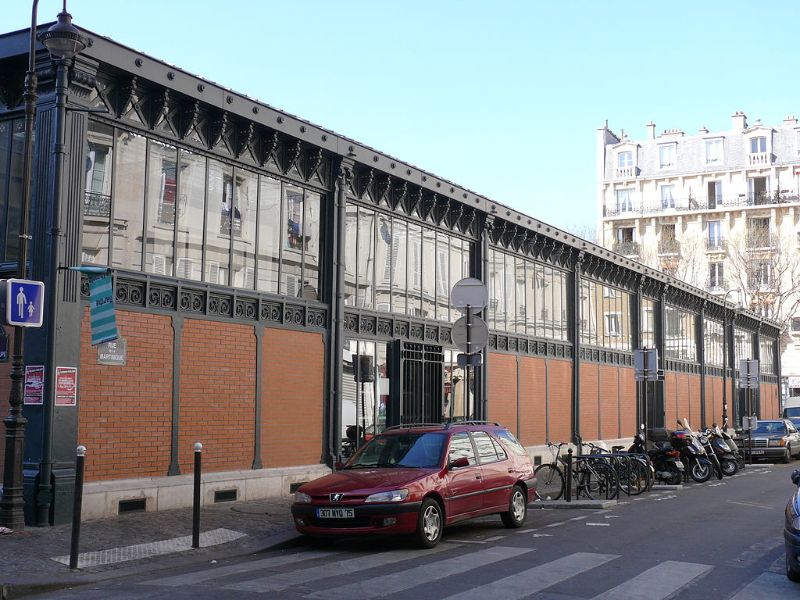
point(568, 477)
point(77, 504)
point(198, 454)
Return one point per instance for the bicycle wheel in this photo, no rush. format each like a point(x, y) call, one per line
point(598, 481)
point(637, 477)
point(549, 482)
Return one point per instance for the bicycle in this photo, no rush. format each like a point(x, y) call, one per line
point(632, 470)
point(549, 477)
point(595, 476)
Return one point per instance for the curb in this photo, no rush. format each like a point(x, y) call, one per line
point(596, 504)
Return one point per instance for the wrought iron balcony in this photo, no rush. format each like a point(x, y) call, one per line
point(716, 245)
point(627, 248)
point(690, 204)
point(669, 246)
point(761, 241)
point(96, 205)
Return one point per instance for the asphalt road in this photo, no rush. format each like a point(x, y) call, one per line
point(719, 540)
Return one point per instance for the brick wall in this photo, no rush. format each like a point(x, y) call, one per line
point(217, 395)
point(292, 398)
point(670, 399)
point(713, 400)
point(589, 401)
point(681, 400)
point(533, 400)
point(627, 403)
point(609, 401)
point(694, 402)
point(502, 401)
point(125, 413)
point(560, 406)
point(770, 404)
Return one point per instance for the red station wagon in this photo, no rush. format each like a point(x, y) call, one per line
point(417, 479)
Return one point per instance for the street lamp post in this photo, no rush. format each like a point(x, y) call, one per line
point(63, 42)
point(725, 358)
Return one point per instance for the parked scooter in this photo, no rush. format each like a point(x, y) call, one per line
point(740, 462)
point(726, 458)
point(693, 454)
point(666, 462)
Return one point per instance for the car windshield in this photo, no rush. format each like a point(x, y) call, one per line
point(770, 427)
point(414, 450)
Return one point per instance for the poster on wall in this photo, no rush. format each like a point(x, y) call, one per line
point(66, 386)
point(34, 384)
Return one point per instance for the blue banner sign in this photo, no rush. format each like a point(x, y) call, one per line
point(101, 310)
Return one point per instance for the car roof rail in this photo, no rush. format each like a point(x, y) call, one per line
point(457, 421)
point(413, 425)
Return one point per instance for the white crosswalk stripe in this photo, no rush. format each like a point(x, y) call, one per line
point(282, 581)
point(392, 583)
point(530, 581)
point(659, 582)
point(239, 568)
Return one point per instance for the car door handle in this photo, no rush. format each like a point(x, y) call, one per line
point(477, 476)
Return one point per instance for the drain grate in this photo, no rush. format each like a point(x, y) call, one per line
point(132, 505)
point(225, 495)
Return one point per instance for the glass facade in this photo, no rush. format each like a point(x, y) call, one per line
point(150, 206)
point(648, 323)
point(743, 345)
point(527, 297)
point(713, 342)
point(680, 339)
point(766, 353)
point(393, 265)
point(605, 316)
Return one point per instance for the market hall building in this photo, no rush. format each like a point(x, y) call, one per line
point(276, 282)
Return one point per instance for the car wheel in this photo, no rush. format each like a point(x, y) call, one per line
point(792, 572)
point(517, 508)
point(787, 457)
point(430, 524)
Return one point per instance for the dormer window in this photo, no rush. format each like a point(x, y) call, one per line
point(758, 144)
point(625, 159)
point(666, 155)
point(714, 154)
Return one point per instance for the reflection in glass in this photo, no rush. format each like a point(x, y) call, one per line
point(191, 215)
point(313, 205)
point(383, 264)
point(14, 199)
point(366, 258)
point(162, 187)
point(129, 200)
point(519, 301)
point(294, 241)
point(245, 200)
point(399, 265)
point(350, 255)
point(443, 276)
point(456, 274)
point(428, 273)
point(218, 222)
point(97, 196)
point(269, 234)
point(414, 306)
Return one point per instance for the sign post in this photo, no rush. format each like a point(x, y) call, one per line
point(645, 363)
point(748, 381)
point(470, 333)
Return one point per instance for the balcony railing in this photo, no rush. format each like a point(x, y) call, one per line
point(761, 241)
point(627, 248)
point(96, 205)
point(627, 172)
point(760, 159)
point(716, 285)
point(669, 246)
point(700, 203)
point(716, 245)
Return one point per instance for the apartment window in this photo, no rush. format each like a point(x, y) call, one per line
point(612, 324)
point(797, 141)
point(625, 200)
point(715, 275)
point(714, 234)
point(795, 324)
point(758, 144)
point(758, 232)
point(714, 190)
point(714, 152)
point(667, 196)
point(760, 275)
point(666, 155)
point(625, 159)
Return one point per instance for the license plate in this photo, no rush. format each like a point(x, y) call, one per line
point(335, 513)
point(758, 452)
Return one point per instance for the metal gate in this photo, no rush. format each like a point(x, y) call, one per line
point(416, 383)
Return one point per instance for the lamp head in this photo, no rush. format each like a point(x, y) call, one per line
point(62, 40)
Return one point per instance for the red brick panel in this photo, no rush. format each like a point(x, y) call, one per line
point(713, 400)
point(502, 402)
point(5, 390)
point(609, 402)
point(292, 397)
point(682, 399)
point(694, 401)
point(559, 379)
point(770, 407)
point(217, 403)
point(627, 403)
point(670, 399)
point(589, 406)
point(532, 400)
point(125, 413)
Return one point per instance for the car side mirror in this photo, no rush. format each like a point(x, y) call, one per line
point(796, 477)
point(458, 463)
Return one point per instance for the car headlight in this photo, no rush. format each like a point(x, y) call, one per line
point(780, 442)
point(302, 498)
point(393, 496)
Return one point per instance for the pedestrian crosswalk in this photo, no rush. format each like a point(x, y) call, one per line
point(453, 571)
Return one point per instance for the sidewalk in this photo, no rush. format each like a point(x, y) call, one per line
point(27, 562)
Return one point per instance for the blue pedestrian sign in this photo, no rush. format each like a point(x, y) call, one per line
point(24, 303)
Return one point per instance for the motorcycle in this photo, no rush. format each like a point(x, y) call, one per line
point(693, 454)
point(740, 462)
point(726, 458)
point(664, 460)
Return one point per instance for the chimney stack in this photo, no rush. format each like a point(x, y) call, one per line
point(790, 120)
point(739, 121)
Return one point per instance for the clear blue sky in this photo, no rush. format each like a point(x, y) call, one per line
point(501, 97)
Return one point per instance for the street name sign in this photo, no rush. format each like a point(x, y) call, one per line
point(24, 302)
